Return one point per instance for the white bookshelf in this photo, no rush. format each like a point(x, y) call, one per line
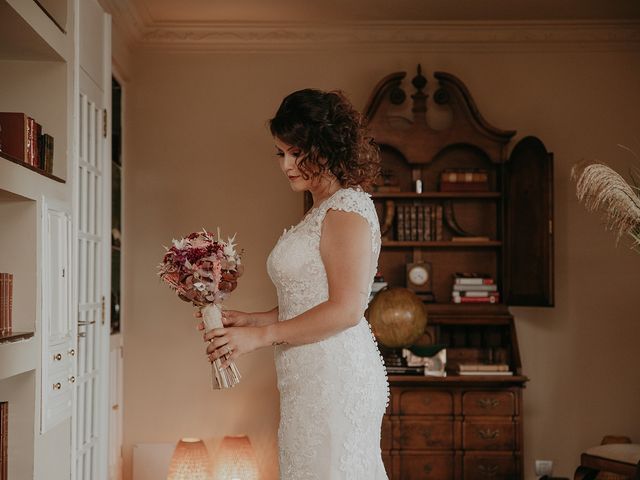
point(38, 77)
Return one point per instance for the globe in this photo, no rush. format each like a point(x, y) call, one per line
point(397, 317)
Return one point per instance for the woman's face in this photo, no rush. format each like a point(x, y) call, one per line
point(288, 158)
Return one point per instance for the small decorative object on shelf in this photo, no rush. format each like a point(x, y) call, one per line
point(419, 280)
point(6, 303)
point(432, 358)
point(203, 270)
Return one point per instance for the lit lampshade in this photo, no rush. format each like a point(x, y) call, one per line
point(236, 460)
point(190, 461)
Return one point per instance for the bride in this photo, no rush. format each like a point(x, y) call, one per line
point(331, 378)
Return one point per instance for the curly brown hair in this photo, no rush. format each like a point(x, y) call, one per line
point(331, 134)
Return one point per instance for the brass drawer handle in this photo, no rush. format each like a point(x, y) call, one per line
point(57, 357)
point(72, 352)
point(72, 379)
point(487, 403)
point(489, 434)
point(488, 470)
point(57, 386)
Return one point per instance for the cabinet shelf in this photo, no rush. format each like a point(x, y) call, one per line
point(437, 195)
point(443, 244)
point(31, 167)
point(28, 33)
point(18, 356)
point(14, 337)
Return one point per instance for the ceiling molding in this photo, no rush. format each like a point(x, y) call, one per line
point(382, 36)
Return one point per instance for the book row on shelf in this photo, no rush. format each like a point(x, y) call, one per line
point(419, 222)
point(6, 303)
point(474, 288)
point(23, 139)
point(436, 365)
point(464, 180)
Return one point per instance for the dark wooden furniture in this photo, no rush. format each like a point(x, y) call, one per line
point(462, 427)
point(616, 456)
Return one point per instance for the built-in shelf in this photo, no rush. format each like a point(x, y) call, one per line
point(31, 167)
point(436, 195)
point(28, 33)
point(18, 356)
point(15, 336)
point(483, 380)
point(443, 244)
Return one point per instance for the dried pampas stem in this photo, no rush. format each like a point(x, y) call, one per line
point(601, 187)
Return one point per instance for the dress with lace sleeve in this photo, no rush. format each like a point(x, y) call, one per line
point(333, 393)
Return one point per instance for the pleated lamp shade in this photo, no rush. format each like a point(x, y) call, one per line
point(236, 460)
point(190, 461)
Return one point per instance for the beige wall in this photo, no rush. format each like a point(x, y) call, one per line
point(199, 155)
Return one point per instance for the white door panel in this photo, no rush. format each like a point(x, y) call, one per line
point(92, 204)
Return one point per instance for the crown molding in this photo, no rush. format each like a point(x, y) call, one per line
point(379, 36)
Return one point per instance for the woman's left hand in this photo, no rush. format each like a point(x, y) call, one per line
point(233, 340)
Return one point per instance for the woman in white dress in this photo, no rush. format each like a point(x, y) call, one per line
point(331, 378)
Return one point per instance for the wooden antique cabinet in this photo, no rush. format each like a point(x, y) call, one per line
point(460, 427)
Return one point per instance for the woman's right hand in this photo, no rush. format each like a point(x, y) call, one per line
point(230, 318)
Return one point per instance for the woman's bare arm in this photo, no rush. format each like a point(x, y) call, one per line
point(345, 248)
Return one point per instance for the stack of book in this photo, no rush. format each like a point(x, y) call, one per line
point(6, 303)
point(21, 138)
point(482, 369)
point(474, 288)
point(378, 284)
point(464, 180)
point(418, 223)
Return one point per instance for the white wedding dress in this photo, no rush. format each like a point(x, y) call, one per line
point(333, 393)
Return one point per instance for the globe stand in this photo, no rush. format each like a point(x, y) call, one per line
point(393, 357)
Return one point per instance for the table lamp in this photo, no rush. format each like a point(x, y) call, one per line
point(236, 460)
point(190, 461)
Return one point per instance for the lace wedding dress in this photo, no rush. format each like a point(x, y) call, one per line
point(333, 393)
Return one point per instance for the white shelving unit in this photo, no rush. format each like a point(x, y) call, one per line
point(38, 76)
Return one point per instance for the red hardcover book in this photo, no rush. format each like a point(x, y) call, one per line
point(6, 303)
point(13, 135)
point(472, 278)
point(495, 298)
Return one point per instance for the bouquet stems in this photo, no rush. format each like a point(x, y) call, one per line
point(220, 377)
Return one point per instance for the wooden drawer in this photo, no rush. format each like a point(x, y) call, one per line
point(490, 434)
point(425, 402)
point(494, 467)
point(385, 442)
point(488, 403)
point(416, 434)
point(426, 467)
